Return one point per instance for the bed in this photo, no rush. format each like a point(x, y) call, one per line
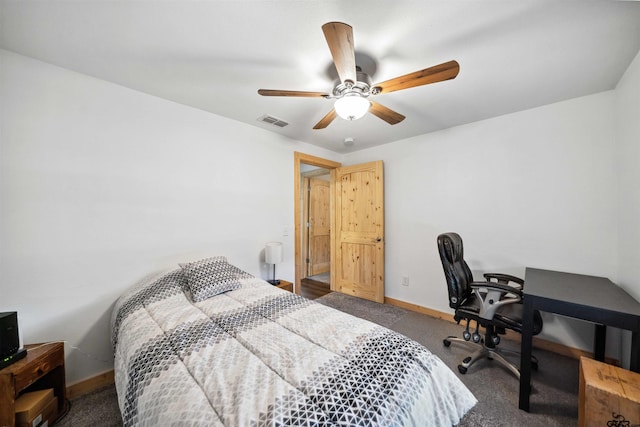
point(207, 344)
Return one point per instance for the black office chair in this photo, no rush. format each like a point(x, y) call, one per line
point(494, 305)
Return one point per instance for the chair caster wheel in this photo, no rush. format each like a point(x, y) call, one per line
point(466, 335)
point(446, 343)
point(476, 338)
point(462, 369)
point(495, 340)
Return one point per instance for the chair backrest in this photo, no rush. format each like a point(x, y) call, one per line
point(456, 270)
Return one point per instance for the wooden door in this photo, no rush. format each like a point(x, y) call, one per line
point(319, 227)
point(357, 257)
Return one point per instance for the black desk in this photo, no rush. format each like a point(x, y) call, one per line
point(595, 299)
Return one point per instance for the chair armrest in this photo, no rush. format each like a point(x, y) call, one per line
point(504, 278)
point(495, 297)
point(499, 287)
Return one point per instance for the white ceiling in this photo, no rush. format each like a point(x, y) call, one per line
point(214, 55)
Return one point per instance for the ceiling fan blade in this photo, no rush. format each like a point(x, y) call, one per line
point(446, 71)
point(386, 114)
point(340, 40)
point(273, 92)
point(326, 120)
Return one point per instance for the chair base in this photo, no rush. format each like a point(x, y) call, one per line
point(482, 351)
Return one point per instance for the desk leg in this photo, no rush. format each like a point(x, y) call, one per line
point(599, 342)
point(525, 356)
point(635, 352)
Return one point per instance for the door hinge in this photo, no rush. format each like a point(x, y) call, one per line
point(308, 260)
point(308, 224)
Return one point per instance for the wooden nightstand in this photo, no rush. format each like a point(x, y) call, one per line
point(42, 368)
point(287, 286)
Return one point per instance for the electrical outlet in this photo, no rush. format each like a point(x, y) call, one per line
point(405, 280)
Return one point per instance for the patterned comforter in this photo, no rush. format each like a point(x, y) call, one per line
point(261, 356)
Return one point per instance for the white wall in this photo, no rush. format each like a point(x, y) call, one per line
point(628, 168)
point(536, 188)
point(101, 185)
point(627, 158)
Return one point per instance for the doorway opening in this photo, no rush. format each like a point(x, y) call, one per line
point(316, 231)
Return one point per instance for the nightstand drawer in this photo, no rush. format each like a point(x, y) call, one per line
point(39, 368)
point(287, 286)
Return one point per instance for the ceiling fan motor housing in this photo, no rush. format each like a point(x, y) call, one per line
point(361, 87)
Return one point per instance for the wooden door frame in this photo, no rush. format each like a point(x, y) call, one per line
point(298, 159)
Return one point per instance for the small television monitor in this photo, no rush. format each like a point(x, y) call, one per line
point(10, 350)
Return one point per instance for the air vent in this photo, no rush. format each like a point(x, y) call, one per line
point(272, 121)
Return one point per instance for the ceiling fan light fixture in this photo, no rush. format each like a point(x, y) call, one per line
point(352, 106)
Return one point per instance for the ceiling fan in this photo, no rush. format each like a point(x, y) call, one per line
point(355, 87)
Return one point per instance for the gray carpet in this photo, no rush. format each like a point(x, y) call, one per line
point(553, 403)
point(99, 408)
